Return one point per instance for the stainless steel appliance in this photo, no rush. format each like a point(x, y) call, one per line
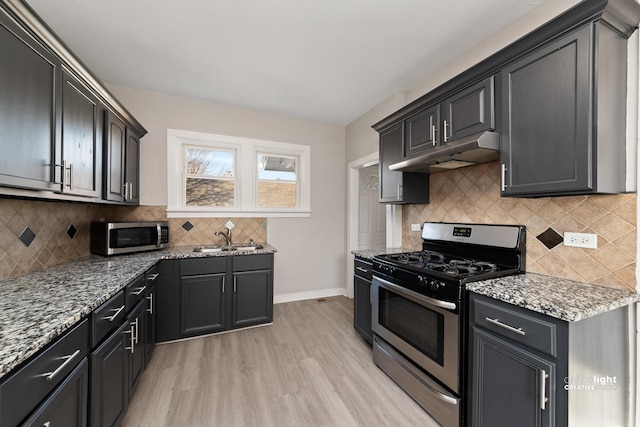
point(112, 238)
point(418, 308)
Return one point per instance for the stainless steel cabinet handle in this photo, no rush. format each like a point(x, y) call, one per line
point(445, 135)
point(131, 332)
point(136, 325)
point(223, 284)
point(153, 277)
point(364, 270)
point(433, 135)
point(235, 284)
point(112, 318)
point(543, 389)
point(71, 176)
point(503, 176)
point(125, 190)
point(63, 174)
point(138, 291)
point(518, 331)
point(51, 375)
point(150, 298)
point(47, 424)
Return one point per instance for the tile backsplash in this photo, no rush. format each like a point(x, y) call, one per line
point(472, 194)
point(60, 231)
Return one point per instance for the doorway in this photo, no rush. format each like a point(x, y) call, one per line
point(371, 214)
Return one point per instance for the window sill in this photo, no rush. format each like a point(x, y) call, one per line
point(220, 213)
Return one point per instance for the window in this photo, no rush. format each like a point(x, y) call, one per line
point(212, 175)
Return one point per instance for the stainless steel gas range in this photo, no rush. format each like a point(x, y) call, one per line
point(418, 312)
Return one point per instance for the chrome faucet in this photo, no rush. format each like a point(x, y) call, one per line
point(227, 236)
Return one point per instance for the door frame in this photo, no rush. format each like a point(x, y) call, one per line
point(393, 215)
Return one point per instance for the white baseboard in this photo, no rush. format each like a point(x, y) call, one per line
point(299, 296)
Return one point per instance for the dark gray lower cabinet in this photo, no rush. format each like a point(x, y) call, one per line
point(67, 405)
point(149, 330)
point(136, 321)
point(211, 294)
point(202, 308)
point(530, 369)
point(110, 378)
point(362, 298)
point(509, 387)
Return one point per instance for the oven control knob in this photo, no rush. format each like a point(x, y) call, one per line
point(434, 285)
point(423, 281)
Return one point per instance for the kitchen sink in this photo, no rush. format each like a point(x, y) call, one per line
point(213, 249)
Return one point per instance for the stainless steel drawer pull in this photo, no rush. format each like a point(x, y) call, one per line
point(47, 424)
point(235, 284)
point(364, 270)
point(112, 318)
point(138, 291)
point(505, 326)
point(51, 375)
point(153, 277)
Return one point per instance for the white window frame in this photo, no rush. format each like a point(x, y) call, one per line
point(246, 159)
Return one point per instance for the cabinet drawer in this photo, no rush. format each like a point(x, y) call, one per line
point(198, 266)
point(23, 391)
point(106, 317)
point(252, 262)
point(516, 324)
point(134, 292)
point(363, 269)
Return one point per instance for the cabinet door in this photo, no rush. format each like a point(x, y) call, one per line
point(546, 145)
point(29, 109)
point(202, 304)
point(132, 165)
point(510, 385)
point(136, 321)
point(422, 131)
point(110, 378)
point(470, 111)
point(391, 141)
point(168, 321)
point(252, 298)
point(67, 405)
point(80, 139)
point(115, 134)
point(362, 307)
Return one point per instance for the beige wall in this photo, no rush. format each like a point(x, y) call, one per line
point(311, 251)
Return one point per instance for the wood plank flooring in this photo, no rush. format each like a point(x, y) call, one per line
point(310, 368)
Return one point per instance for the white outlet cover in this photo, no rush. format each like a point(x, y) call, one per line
point(581, 240)
point(415, 227)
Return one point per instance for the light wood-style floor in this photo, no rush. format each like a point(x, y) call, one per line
point(310, 368)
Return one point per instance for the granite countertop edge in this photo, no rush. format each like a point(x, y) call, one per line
point(563, 299)
point(38, 307)
point(370, 253)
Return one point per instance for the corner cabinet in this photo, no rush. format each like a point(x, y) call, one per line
point(564, 116)
point(395, 186)
point(536, 370)
point(205, 295)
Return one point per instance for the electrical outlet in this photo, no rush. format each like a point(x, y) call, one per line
point(415, 227)
point(581, 240)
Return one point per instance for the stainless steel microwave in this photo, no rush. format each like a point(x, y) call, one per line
point(112, 238)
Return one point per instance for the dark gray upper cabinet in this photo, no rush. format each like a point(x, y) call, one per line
point(470, 111)
point(29, 109)
point(81, 139)
point(399, 187)
point(564, 116)
point(422, 130)
point(122, 154)
point(51, 117)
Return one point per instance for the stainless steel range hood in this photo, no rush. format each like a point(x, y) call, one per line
point(477, 148)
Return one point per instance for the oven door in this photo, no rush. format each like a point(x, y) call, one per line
point(424, 329)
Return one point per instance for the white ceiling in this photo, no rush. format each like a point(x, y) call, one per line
point(325, 60)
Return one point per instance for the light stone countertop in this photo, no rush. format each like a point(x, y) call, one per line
point(560, 298)
point(38, 307)
point(370, 253)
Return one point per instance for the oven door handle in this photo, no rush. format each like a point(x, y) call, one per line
point(414, 295)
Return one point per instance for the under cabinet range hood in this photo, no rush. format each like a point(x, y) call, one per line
point(477, 148)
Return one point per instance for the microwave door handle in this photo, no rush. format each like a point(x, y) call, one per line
point(159, 234)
